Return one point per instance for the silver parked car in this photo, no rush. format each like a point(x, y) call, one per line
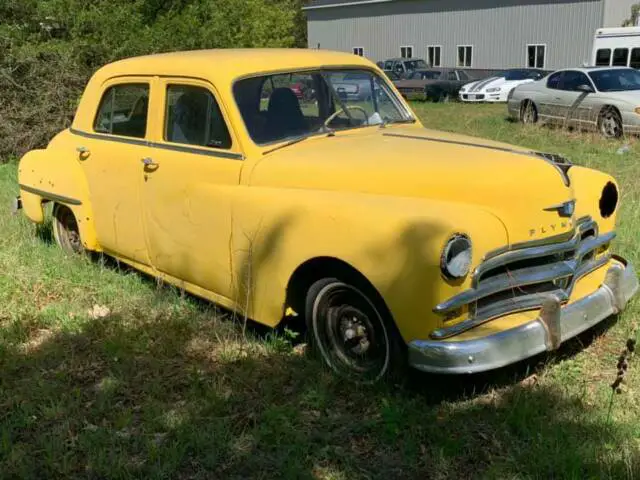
point(607, 99)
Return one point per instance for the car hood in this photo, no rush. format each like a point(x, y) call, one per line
point(493, 82)
point(514, 184)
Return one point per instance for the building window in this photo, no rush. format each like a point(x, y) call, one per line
point(465, 56)
point(434, 54)
point(635, 58)
point(358, 51)
point(406, 52)
point(536, 56)
point(620, 57)
point(603, 57)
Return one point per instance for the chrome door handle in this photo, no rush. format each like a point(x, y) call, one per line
point(148, 162)
point(83, 153)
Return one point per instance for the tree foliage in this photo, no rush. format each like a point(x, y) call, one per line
point(49, 48)
point(632, 21)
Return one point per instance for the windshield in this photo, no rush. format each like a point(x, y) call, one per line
point(523, 74)
point(618, 80)
point(283, 106)
point(415, 64)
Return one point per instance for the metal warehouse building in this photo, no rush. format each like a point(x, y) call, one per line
point(486, 34)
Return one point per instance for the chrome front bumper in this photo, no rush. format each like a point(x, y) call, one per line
point(555, 325)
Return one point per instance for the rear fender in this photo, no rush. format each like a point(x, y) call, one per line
point(51, 176)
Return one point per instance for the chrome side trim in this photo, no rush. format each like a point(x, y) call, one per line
point(164, 146)
point(555, 325)
point(54, 197)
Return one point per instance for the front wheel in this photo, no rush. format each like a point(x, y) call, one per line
point(528, 113)
point(350, 333)
point(444, 97)
point(65, 230)
point(610, 123)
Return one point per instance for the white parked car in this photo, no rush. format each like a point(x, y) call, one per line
point(603, 98)
point(498, 87)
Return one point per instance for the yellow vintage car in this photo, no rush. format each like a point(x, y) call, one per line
point(298, 185)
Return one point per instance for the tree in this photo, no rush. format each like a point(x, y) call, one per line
point(49, 48)
point(635, 16)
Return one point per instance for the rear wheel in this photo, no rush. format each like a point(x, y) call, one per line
point(444, 97)
point(528, 113)
point(610, 123)
point(65, 230)
point(350, 332)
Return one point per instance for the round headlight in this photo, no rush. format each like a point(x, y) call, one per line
point(456, 257)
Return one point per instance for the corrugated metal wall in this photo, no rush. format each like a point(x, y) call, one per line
point(499, 34)
point(617, 11)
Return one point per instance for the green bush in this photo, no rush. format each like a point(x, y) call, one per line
point(49, 48)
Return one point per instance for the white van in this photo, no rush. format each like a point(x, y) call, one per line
point(616, 47)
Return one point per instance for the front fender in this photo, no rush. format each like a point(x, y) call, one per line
point(395, 242)
point(588, 186)
point(49, 175)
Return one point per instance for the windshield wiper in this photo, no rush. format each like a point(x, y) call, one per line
point(396, 122)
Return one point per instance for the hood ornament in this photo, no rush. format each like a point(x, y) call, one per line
point(565, 209)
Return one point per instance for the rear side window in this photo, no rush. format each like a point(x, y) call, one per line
point(193, 117)
point(603, 57)
point(635, 58)
point(123, 110)
point(620, 56)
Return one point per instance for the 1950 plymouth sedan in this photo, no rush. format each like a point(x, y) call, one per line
point(394, 243)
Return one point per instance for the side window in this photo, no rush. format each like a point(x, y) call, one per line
point(620, 56)
point(555, 81)
point(463, 76)
point(572, 80)
point(193, 117)
point(635, 58)
point(603, 57)
point(451, 76)
point(123, 110)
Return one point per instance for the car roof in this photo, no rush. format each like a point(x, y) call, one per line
point(591, 69)
point(225, 65)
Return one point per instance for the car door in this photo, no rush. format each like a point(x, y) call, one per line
point(548, 99)
point(111, 156)
point(572, 108)
point(190, 181)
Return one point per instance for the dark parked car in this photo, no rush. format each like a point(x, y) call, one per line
point(404, 66)
point(438, 85)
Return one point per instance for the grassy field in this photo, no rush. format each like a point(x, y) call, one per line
point(153, 383)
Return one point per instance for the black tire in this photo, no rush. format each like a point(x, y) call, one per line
point(66, 231)
point(528, 113)
point(351, 332)
point(610, 123)
point(444, 97)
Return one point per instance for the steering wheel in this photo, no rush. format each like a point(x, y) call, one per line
point(344, 110)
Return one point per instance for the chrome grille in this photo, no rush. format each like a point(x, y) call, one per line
point(520, 279)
